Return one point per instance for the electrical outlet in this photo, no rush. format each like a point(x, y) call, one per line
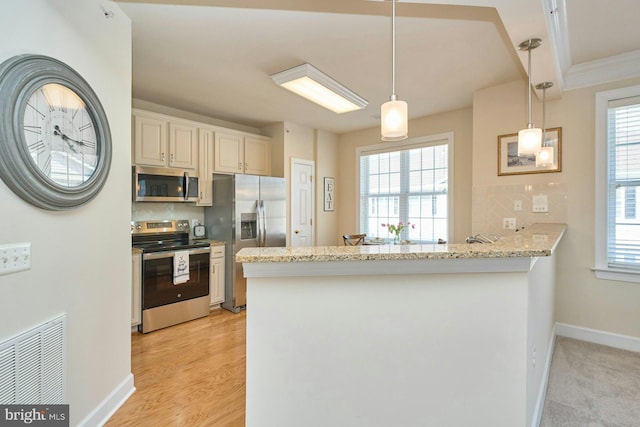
point(540, 203)
point(15, 257)
point(509, 223)
point(517, 205)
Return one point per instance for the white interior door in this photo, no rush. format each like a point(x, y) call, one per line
point(302, 202)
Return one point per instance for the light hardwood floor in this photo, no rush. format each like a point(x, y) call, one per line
point(192, 374)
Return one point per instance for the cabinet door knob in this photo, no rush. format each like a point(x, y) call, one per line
point(297, 231)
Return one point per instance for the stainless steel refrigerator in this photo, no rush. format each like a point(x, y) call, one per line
point(247, 211)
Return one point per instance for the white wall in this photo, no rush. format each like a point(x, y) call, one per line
point(581, 299)
point(80, 258)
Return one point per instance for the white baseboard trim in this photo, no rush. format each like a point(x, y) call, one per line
point(542, 393)
point(624, 342)
point(101, 414)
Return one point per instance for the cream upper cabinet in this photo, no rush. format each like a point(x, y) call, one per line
point(162, 142)
point(165, 141)
point(229, 153)
point(235, 153)
point(150, 141)
point(205, 166)
point(183, 146)
point(257, 156)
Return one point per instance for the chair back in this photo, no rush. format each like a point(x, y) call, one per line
point(353, 239)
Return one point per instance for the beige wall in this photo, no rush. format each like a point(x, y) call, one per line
point(459, 122)
point(81, 259)
point(581, 299)
point(326, 166)
point(293, 141)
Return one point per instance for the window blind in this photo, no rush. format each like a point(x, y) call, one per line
point(623, 176)
point(408, 186)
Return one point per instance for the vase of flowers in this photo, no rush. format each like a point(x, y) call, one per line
point(396, 230)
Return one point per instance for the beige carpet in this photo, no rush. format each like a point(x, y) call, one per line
point(591, 385)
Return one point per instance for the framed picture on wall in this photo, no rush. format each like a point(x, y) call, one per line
point(329, 193)
point(509, 163)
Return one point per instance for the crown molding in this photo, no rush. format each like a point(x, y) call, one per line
point(605, 70)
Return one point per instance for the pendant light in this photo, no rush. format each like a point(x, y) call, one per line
point(529, 139)
point(544, 158)
point(393, 114)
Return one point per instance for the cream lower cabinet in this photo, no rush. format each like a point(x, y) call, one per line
point(216, 282)
point(235, 153)
point(136, 289)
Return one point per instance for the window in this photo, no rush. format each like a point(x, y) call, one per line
point(617, 184)
point(410, 183)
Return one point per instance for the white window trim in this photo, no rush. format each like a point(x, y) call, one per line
point(602, 269)
point(400, 145)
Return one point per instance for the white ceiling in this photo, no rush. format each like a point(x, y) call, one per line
point(215, 57)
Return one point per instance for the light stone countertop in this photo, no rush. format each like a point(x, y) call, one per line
point(538, 240)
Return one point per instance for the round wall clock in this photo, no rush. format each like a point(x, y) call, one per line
point(55, 143)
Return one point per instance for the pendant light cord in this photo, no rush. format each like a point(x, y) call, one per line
point(544, 114)
point(393, 50)
point(530, 123)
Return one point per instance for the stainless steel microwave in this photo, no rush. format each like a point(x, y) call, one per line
point(164, 185)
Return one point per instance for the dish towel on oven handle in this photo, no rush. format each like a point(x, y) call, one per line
point(180, 267)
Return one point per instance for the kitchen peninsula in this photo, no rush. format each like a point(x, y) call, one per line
point(411, 335)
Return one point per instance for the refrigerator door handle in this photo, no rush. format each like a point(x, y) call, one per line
point(264, 223)
point(258, 224)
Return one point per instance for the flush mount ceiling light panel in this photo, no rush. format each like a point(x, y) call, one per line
point(309, 82)
point(529, 139)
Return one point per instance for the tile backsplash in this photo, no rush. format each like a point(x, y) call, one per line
point(145, 211)
point(491, 204)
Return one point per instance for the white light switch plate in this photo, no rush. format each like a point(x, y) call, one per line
point(15, 257)
point(540, 203)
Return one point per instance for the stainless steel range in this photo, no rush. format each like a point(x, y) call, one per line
point(175, 273)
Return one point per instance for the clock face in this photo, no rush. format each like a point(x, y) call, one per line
point(55, 143)
point(60, 135)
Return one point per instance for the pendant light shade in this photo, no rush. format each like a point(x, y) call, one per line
point(394, 120)
point(544, 159)
point(393, 114)
point(529, 139)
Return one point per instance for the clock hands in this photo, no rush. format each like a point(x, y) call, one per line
point(66, 139)
point(58, 132)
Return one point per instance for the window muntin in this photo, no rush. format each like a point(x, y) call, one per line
point(406, 183)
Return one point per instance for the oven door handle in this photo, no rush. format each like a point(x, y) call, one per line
point(160, 255)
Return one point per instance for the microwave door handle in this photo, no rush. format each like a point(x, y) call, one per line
point(185, 177)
